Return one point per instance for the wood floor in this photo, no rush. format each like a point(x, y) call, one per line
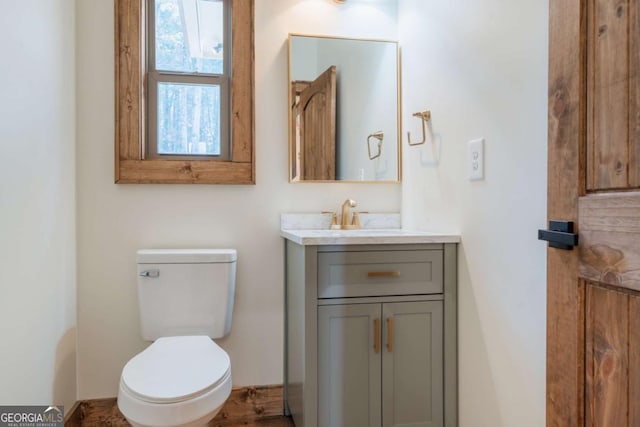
point(117, 420)
point(249, 406)
point(106, 413)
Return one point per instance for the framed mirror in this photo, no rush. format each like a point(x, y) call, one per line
point(344, 109)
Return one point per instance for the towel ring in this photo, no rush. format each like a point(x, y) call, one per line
point(425, 116)
point(379, 136)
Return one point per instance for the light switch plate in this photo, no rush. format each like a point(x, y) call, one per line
point(476, 159)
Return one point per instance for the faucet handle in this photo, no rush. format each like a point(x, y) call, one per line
point(355, 221)
point(334, 218)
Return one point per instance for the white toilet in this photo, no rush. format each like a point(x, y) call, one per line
point(183, 378)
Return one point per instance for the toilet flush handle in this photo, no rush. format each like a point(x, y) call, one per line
point(150, 273)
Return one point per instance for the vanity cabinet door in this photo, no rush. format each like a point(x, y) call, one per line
point(412, 364)
point(349, 363)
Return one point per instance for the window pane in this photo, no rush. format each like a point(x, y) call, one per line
point(188, 119)
point(189, 36)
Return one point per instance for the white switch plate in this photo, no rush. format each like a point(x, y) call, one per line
point(476, 159)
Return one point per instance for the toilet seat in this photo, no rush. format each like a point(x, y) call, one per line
point(177, 381)
point(176, 369)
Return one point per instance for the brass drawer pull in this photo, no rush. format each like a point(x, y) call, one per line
point(376, 328)
point(390, 334)
point(383, 274)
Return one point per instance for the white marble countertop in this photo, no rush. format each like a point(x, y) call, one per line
point(377, 229)
point(366, 237)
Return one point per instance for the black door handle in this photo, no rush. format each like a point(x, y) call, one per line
point(560, 235)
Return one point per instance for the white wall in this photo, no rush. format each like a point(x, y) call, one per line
point(481, 67)
point(37, 199)
point(115, 220)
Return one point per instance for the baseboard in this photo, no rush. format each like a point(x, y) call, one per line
point(245, 406)
point(72, 416)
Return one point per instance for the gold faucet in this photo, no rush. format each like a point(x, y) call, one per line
point(345, 224)
point(344, 220)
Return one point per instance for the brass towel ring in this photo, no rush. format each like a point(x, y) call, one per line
point(425, 116)
point(379, 136)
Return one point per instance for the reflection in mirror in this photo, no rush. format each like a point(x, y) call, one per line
point(344, 109)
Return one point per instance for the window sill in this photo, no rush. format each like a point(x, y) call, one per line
point(184, 172)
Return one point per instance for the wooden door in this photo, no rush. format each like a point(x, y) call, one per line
point(593, 310)
point(412, 364)
point(349, 360)
point(314, 132)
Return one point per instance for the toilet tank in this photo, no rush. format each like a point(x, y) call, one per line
point(186, 291)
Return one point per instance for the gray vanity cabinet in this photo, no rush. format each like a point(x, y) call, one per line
point(349, 381)
point(362, 346)
point(371, 335)
point(412, 368)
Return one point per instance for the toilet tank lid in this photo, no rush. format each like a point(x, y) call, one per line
point(185, 256)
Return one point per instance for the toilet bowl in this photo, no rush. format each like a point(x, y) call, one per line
point(177, 381)
point(186, 300)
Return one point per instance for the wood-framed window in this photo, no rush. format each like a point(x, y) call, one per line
point(135, 160)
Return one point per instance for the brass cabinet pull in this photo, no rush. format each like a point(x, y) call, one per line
point(390, 334)
point(376, 327)
point(383, 274)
